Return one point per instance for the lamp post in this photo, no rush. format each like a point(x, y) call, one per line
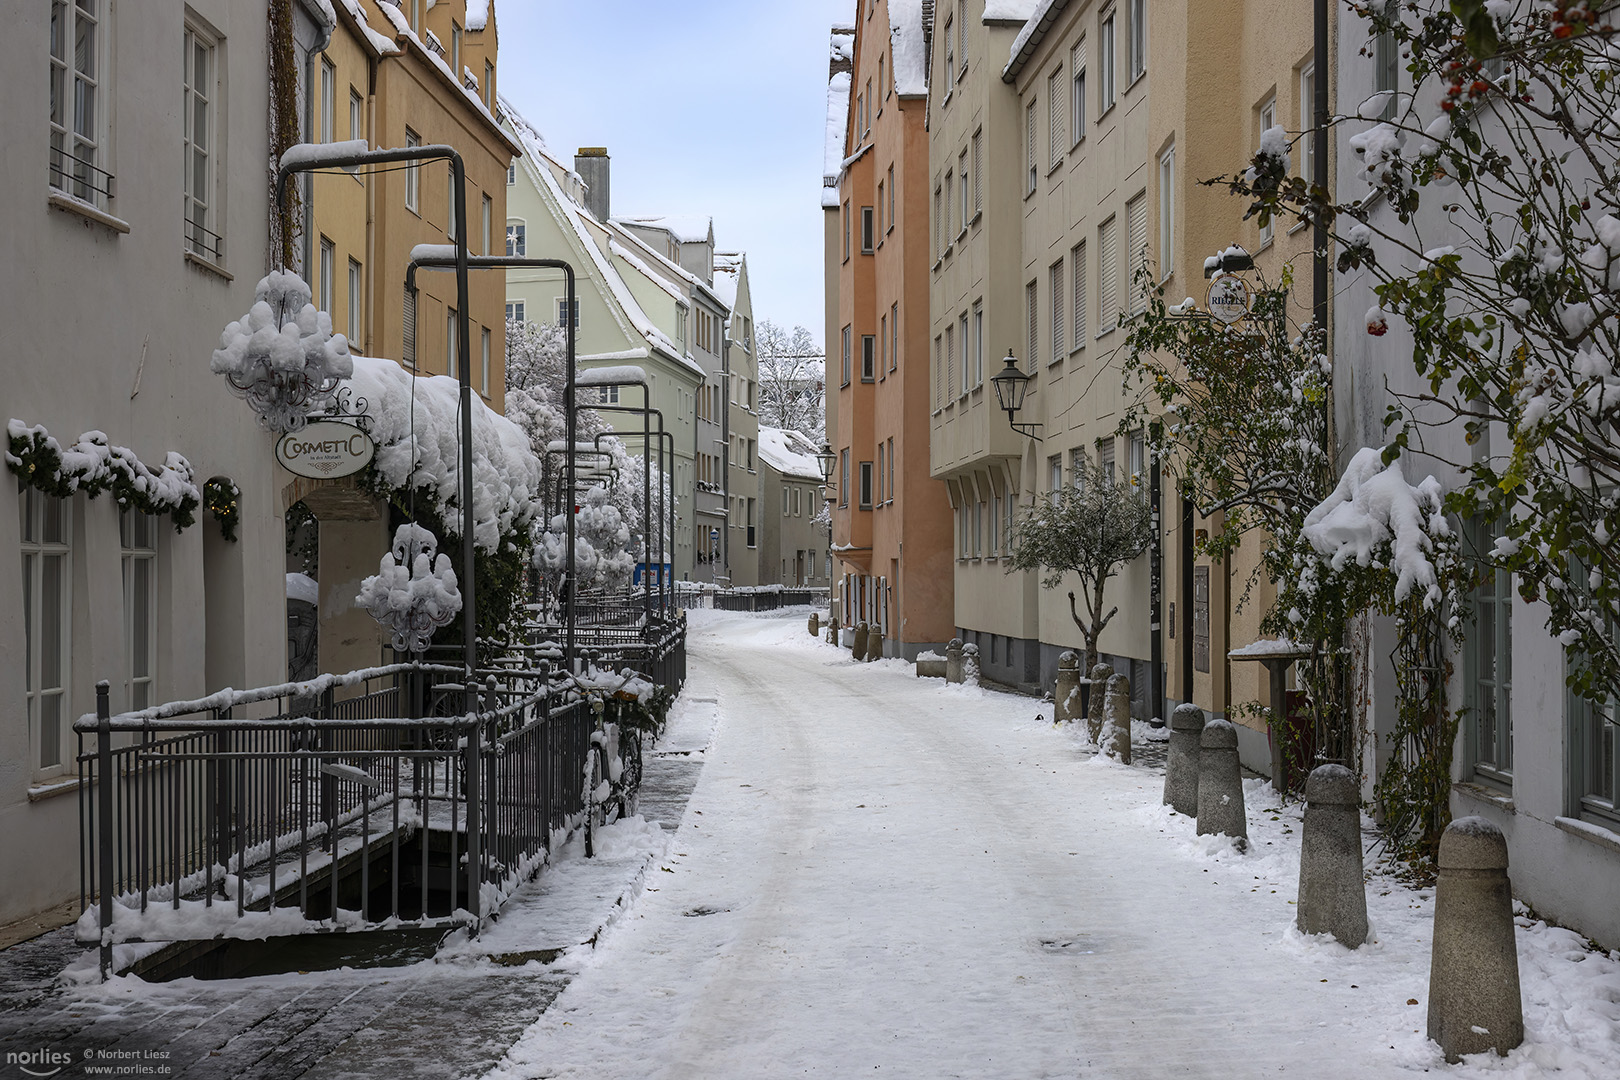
point(1011, 385)
point(826, 460)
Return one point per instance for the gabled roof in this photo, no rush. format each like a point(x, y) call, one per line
point(1043, 14)
point(790, 453)
point(644, 251)
point(406, 37)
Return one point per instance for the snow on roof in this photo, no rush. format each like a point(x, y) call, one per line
point(1039, 17)
point(727, 275)
point(380, 43)
point(646, 271)
point(624, 375)
point(1268, 649)
point(909, 49)
point(662, 262)
point(687, 228)
point(477, 14)
point(323, 10)
point(837, 124)
point(1010, 10)
point(842, 46)
point(402, 29)
point(789, 452)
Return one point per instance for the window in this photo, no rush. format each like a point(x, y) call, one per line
point(949, 190)
point(514, 310)
point(866, 485)
point(680, 328)
point(1032, 316)
point(487, 213)
point(357, 121)
point(1105, 460)
point(413, 175)
point(798, 502)
point(843, 477)
point(890, 227)
point(939, 229)
point(1058, 294)
point(950, 53)
point(450, 344)
point(962, 183)
point(455, 50)
point(1105, 47)
point(562, 312)
point(511, 174)
point(978, 172)
point(47, 605)
point(408, 343)
point(995, 526)
point(1138, 38)
point(950, 363)
point(846, 357)
point(1054, 474)
point(416, 15)
point(1136, 251)
point(1078, 467)
point(1167, 213)
point(357, 311)
point(1386, 69)
point(868, 358)
point(1077, 91)
point(880, 472)
point(881, 59)
point(1136, 459)
point(1488, 664)
point(978, 528)
point(847, 226)
point(137, 535)
point(517, 238)
point(1030, 172)
point(978, 343)
point(200, 82)
point(883, 339)
point(328, 101)
point(483, 362)
point(1107, 276)
point(1307, 121)
point(328, 259)
point(939, 372)
point(961, 33)
point(894, 335)
point(1077, 268)
point(1268, 120)
point(867, 231)
point(966, 353)
point(489, 83)
point(77, 112)
point(880, 208)
point(450, 209)
point(890, 488)
point(1054, 119)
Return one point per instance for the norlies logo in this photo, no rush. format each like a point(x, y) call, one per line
point(39, 1062)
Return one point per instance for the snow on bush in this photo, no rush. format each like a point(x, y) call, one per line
point(413, 593)
point(602, 556)
point(282, 357)
point(93, 465)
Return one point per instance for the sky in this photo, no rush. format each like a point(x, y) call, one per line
point(711, 107)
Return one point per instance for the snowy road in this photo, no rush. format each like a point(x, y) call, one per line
point(881, 877)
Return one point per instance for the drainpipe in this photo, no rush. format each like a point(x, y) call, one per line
point(371, 221)
point(309, 133)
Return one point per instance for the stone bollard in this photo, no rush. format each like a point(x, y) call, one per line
point(970, 664)
point(874, 643)
point(1332, 891)
point(1220, 782)
point(1181, 765)
point(832, 630)
point(1066, 696)
point(1100, 674)
point(857, 647)
point(953, 661)
point(1474, 1002)
point(815, 623)
point(1115, 738)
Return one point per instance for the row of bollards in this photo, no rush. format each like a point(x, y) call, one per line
point(1474, 997)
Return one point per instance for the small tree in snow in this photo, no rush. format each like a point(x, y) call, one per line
point(1090, 528)
point(790, 380)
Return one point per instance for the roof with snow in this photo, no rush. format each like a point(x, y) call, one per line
point(728, 268)
point(909, 47)
point(403, 33)
point(789, 452)
point(687, 228)
point(1010, 10)
point(1040, 17)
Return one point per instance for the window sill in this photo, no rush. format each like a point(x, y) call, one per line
point(1051, 170)
point(949, 248)
point(960, 236)
point(1587, 831)
point(1498, 799)
point(867, 250)
point(938, 263)
point(977, 214)
point(1077, 144)
point(63, 201)
point(867, 379)
point(209, 265)
point(50, 789)
point(1297, 226)
point(1029, 193)
point(1108, 109)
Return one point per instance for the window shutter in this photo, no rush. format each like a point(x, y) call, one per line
point(950, 368)
point(1077, 263)
point(409, 349)
point(1029, 145)
point(1108, 274)
point(1136, 214)
point(1057, 311)
point(1054, 116)
point(1031, 298)
point(978, 172)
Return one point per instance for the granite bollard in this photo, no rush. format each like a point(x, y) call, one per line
point(1220, 783)
point(857, 648)
point(815, 623)
point(1332, 891)
point(1100, 674)
point(1115, 738)
point(874, 643)
point(970, 664)
point(953, 661)
point(1066, 695)
point(1181, 761)
point(1474, 1000)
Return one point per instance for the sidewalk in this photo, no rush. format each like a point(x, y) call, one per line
point(453, 1015)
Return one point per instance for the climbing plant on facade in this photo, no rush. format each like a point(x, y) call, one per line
point(93, 466)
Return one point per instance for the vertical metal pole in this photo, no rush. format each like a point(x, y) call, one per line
point(1319, 177)
point(646, 503)
point(1279, 723)
point(475, 818)
point(570, 399)
point(469, 605)
point(1156, 593)
point(104, 813)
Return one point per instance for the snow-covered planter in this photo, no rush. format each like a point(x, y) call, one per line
point(282, 357)
point(92, 465)
point(414, 591)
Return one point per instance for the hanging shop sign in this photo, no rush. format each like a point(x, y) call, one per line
point(325, 450)
point(1229, 298)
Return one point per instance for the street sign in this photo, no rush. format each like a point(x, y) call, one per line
point(1229, 298)
point(325, 450)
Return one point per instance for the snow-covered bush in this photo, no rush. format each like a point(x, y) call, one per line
point(282, 357)
point(93, 465)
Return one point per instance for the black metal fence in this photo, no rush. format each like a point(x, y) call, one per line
point(371, 799)
point(765, 599)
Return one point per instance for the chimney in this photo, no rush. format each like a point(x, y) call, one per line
point(591, 162)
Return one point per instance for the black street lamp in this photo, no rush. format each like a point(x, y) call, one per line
point(826, 459)
point(1011, 385)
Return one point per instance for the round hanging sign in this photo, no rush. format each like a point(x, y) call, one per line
point(1229, 298)
point(325, 450)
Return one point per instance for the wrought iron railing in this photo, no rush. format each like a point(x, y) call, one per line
point(80, 178)
point(203, 241)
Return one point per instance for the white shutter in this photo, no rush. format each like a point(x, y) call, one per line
point(1057, 311)
point(1107, 274)
point(1031, 301)
point(978, 171)
point(1029, 147)
point(1136, 215)
point(950, 368)
point(1054, 117)
point(1077, 267)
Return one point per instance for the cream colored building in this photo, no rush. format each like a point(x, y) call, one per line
point(746, 561)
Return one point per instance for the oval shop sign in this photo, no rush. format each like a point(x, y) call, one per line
point(324, 450)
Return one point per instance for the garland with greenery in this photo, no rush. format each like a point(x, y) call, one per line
point(93, 466)
point(222, 498)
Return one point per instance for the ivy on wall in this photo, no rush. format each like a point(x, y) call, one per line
point(92, 465)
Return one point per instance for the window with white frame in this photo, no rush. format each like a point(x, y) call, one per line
point(978, 172)
point(1105, 460)
point(891, 468)
point(517, 238)
point(328, 272)
point(413, 176)
point(881, 472)
point(1058, 327)
point(949, 189)
point(1105, 62)
point(1077, 91)
point(1032, 316)
point(950, 53)
point(894, 335)
point(450, 209)
point(1077, 271)
point(489, 84)
point(483, 360)
point(1307, 121)
point(939, 372)
point(846, 356)
point(1107, 276)
point(1054, 474)
point(200, 84)
point(357, 115)
point(965, 353)
point(137, 535)
point(1138, 38)
point(78, 100)
point(1268, 120)
point(450, 342)
point(1079, 466)
point(848, 226)
point(1031, 172)
point(962, 185)
point(486, 222)
point(1387, 68)
point(511, 174)
point(1136, 458)
point(47, 605)
point(978, 343)
point(328, 101)
point(950, 363)
point(1167, 213)
point(890, 226)
point(883, 341)
point(1055, 108)
point(562, 312)
point(357, 309)
point(995, 526)
point(514, 310)
point(455, 50)
point(1136, 251)
point(961, 35)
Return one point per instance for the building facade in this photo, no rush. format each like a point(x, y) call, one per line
point(745, 562)
point(793, 536)
point(891, 519)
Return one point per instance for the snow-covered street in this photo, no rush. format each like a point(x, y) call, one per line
point(881, 876)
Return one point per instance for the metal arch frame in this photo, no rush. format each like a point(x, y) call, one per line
point(664, 512)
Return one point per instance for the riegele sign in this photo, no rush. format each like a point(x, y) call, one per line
point(325, 449)
point(1229, 298)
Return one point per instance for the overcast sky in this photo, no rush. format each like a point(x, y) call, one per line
point(711, 107)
